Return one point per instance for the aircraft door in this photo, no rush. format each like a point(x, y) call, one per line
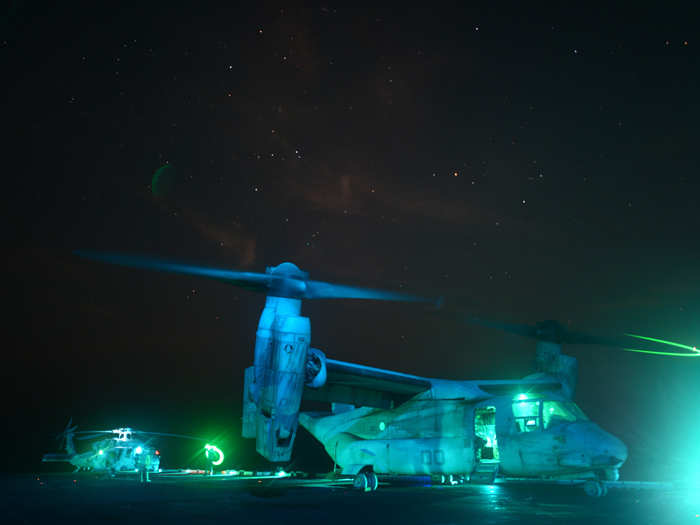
point(485, 438)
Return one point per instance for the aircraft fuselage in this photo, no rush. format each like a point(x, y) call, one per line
point(542, 436)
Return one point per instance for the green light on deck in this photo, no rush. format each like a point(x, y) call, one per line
point(691, 351)
point(521, 397)
point(211, 449)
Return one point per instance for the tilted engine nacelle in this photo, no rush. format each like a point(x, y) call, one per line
point(275, 383)
point(315, 375)
point(550, 360)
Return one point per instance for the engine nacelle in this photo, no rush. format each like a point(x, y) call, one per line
point(316, 372)
point(275, 383)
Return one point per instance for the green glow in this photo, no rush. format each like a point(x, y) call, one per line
point(692, 351)
point(520, 397)
point(526, 414)
point(214, 449)
point(382, 426)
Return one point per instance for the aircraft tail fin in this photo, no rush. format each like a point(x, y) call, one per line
point(66, 438)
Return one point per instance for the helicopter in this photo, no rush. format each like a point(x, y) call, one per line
point(384, 422)
point(117, 450)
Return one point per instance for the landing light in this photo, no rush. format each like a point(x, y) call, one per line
point(138, 450)
point(521, 397)
point(100, 452)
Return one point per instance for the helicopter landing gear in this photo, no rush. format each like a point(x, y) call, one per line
point(595, 488)
point(366, 481)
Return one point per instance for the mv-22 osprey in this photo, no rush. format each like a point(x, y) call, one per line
point(387, 422)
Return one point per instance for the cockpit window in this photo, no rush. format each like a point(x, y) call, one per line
point(557, 412)
point(526, 414)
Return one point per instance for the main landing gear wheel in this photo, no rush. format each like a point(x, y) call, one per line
point(366, 481)
point(595, 488)
point(372, 480)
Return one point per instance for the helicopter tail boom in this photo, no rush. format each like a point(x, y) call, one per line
point(56, 458)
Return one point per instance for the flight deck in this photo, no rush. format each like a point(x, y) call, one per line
point(193, 496)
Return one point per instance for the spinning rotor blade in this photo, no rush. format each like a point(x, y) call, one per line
point(68, 430)
point(165, 434)
point(555, 332)
point(92, 436)
point(519, 329)
point(284, 280)
point(70, 427)
point(251, 280)
point(551, 331)
point(321, 290)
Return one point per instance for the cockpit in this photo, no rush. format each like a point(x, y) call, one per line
point(123, 434)
point(531, 413)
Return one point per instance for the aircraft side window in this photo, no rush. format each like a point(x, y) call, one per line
point(526, 415)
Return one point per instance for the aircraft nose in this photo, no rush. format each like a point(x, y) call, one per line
point(617, 449)
point(613, 451)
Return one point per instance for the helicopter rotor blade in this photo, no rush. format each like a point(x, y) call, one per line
point(166, 434)
point(91, 436)
point(70, 429)
point(284, 280)
point(519, 329)
point(323, 290)
point(555, 332)
point(251, 280)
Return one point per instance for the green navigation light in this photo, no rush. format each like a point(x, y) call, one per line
point(691, 351)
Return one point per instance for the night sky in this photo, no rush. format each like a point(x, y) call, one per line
point(526, 164)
